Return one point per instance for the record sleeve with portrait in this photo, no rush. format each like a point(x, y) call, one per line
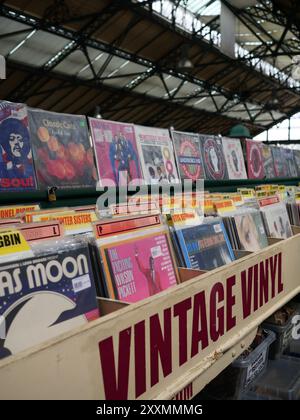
point(251, 232)
point(156, 154)
point(16, 162)
point(118, 162)
point(188, 155)
point(276, 219)
point(234, 158)
point(138, 264)
point(213, 157)
point(255, 164)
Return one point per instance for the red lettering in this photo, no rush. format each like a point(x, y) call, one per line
point(280, 284)
point(116, 383)
point(255, 282)
point(160, 346)
point(16, 182)
point(140, 358)
point(230, 297)
point(247, 291)
point(273, 270)
point(216, 315)
point(180, 310)
point(199, 328)
point(264, 282)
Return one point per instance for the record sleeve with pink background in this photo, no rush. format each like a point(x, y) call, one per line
point(116, 152)
point(141, 268)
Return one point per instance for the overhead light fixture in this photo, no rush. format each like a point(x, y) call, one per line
point(184, 62)
point(97, 113)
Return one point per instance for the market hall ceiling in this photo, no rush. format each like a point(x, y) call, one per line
point(73, 55)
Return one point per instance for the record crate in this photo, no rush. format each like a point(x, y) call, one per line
point(169, 346)
point(281, 381)
point(239, 376)
point(284, 330)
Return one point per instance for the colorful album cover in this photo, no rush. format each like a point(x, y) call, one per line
point(251, 232)
point(268, 161)
point(188, 155)
point(234, 158)
point(297, 161)
point(291, 163)
point(156, 154)
point(277, 221)
point(280, 165)
point(255, 164)
point(116, 152)
point(45, 296)
point(206, 246)
point(16, 164)
point(139, 265)
point(213, 157)
point(62, 151)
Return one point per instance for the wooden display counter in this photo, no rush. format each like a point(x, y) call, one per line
point(168, 346)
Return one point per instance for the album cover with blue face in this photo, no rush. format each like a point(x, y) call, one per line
point(205, 246)
point(16, 164)
point(45, 296)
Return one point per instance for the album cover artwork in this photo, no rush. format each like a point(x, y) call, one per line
point(268, 161)
point(157, 155)
point(277, 220)
point(188, 155)
point(206, 246)
point(116, 152)
point(16, 164)
point(138, 265)
point(297, 161)
point(291, 163)
point(213, 157)
point(63, 154)
point(251, 232)
point(234, 158)
point(45, 296)
point(280, 165)
point(255, 164)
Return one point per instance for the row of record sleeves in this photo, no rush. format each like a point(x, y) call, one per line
point(41, 149)
point(51, 275)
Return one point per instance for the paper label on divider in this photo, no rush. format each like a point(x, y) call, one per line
point(13, 211)
point(12, 241)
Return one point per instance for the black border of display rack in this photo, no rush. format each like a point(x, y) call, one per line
point(87, 196)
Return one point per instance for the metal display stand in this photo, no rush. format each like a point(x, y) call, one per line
point(167, 346)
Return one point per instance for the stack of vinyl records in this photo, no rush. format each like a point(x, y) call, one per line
point(202, 246)
point(276, 218)
point(246, 230)
point(47, 294)
point(136, 257)
point(293, 209)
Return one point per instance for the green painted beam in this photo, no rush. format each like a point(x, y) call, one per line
point(86, 196)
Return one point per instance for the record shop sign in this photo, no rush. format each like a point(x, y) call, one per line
point(177, 331)
point(2, 68)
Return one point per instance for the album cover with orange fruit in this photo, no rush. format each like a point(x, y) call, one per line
point(62, 150)
point(16, 166)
